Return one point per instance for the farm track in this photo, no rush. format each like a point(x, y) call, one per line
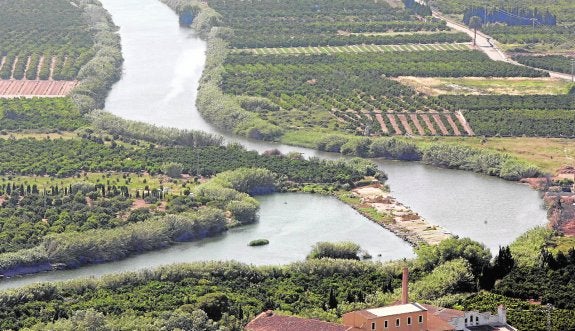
point(464, 123)
point(488, 45)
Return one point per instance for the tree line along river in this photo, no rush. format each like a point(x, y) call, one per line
point(162, 67)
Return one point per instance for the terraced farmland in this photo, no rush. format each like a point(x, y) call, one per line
point(28, 88)
point(43, 41)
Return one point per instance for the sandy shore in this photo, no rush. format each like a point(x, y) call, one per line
point(397, 217)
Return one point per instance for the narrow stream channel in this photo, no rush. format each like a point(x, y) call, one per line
point(163, 64)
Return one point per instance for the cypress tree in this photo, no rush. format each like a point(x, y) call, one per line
point(332, 302)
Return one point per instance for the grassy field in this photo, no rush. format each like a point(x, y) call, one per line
point(480, 85)
point(547, 153)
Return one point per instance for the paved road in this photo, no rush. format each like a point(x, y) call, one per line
point(488, 46)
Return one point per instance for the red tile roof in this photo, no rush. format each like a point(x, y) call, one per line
point(438, 318)
point(269, 321)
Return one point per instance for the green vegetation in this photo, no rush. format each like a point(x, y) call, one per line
point(527, 247)
point(105, 67)
point(352, 49)
point(53, 30)
point(540, 122)
point(28, 214)
point(562, 8)
point(526, 38)
point(73, 249)
point(533, 115)
point(446, 155)
point(520, 313)
point(42, 114)
point(271, 24)
point(49, 224)
point(303, 94)
point(339, 250)
point(259, 242)
point(550, 62)
point(59, 40)
point(61, 157)
point(515, 24)
point(231, 293)
point(268, 93)
point(487, 86)
point(118, 127)
point(449, 277)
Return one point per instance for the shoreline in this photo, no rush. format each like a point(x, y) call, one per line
point(383, 209)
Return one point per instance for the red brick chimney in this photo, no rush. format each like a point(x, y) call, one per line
point(405, 287)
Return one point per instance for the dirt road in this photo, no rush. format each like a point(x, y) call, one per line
point(488, 45)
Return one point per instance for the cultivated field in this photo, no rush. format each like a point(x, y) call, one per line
point(30, 88)
point(355, 49)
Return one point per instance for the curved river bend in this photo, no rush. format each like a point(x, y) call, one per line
point(163, 64)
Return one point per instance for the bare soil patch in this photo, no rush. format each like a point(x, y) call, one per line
point(30, 88)
point(403, 120)
point(405, 223)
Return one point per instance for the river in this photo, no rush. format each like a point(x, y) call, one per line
point(163, 64)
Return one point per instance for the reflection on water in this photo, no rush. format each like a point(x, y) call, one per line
point(292, 222)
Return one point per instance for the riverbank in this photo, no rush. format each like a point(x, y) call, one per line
point(376, 204)
point(228, 115)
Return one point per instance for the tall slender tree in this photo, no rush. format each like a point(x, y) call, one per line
point(475, 22)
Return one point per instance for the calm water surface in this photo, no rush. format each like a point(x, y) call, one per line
point(163, 64)
point(292, 222)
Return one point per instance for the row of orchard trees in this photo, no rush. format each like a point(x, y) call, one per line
point(63, 158)
point(270, 24)
point(246, 39)
point(62, 65)
point(43, 28)
point(40, 114)
point(557, 63)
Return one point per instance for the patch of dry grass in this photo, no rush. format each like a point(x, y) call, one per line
point(480, 85)
point(547, 153)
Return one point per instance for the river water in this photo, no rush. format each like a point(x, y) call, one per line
point(163, 64)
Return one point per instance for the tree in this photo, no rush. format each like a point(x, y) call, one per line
point(475, 23)
point(503, 263)
point(332, 302)
point(173, 169)
point(337, 250)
